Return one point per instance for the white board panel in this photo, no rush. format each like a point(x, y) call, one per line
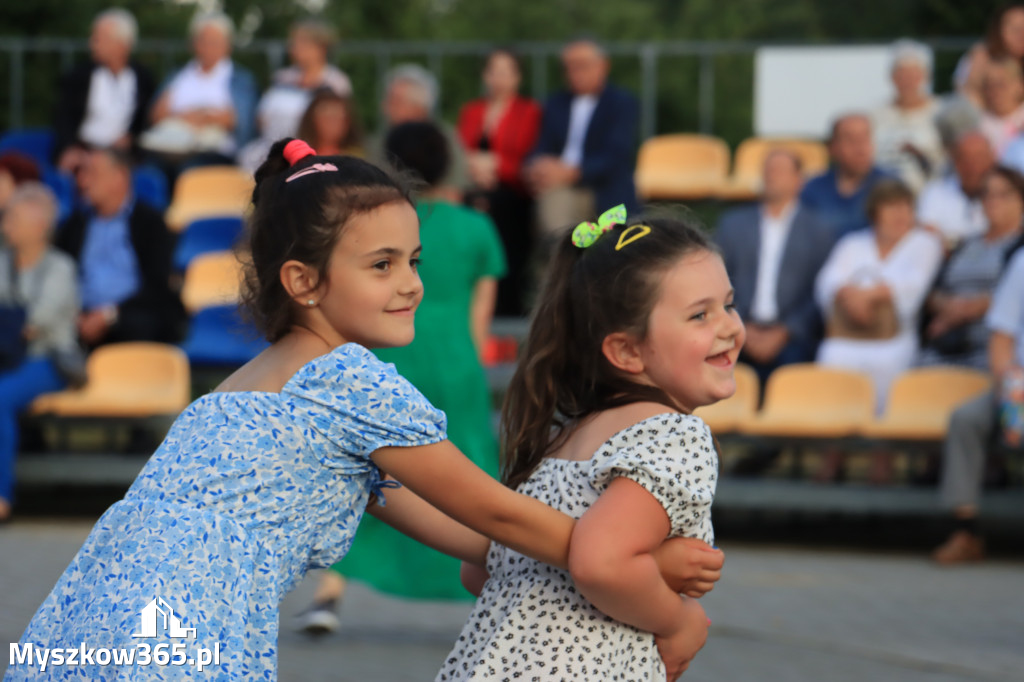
point(799, 90)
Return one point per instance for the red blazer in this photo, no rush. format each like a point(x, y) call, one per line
point(512, 139)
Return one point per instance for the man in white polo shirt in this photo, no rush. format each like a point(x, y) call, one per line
point(102, 102)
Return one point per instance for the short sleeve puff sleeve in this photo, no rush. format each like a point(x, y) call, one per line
point(673, 457)
point(360, 404)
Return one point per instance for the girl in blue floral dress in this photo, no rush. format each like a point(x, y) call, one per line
point(269, 476)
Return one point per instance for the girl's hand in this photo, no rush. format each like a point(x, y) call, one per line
point(689, 566)
point(679, 649)
point(473, 578)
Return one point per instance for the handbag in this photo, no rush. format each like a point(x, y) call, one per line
point(13, 317)
point(884, 324)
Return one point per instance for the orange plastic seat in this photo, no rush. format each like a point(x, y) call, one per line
point(922, 400)
point(745, 183)
point(209, 192)
point(731, 414)
point(681, 167)
point(211, 279)
point(137, 379)
point(810, 401)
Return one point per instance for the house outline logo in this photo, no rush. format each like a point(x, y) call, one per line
point(158, 612)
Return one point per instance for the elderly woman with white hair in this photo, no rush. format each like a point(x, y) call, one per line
point(208, 106)
point(102, 102)
point(410, 96)
point(907, 140)
point(39, 303)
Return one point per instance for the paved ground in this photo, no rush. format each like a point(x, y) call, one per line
point(780, 614)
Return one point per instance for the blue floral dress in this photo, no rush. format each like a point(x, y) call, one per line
point(248, 491)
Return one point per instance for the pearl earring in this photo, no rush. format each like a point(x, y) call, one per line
point(311, 303)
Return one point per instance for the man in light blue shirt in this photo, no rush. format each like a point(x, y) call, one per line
point(973, 425)
point(840, 194)
point(123, 250)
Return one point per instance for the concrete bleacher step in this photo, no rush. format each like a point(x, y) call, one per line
point(87, 470)
point(755, 495)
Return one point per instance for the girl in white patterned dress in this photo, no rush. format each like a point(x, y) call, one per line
point(635, 328)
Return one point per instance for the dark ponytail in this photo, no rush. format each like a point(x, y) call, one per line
point(563, 375)
point(302, 220)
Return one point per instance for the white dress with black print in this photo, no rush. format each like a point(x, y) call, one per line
point(530, 623)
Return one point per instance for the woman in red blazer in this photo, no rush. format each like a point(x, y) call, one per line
point(498, 131)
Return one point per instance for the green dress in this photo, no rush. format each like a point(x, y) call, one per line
point(460, 246)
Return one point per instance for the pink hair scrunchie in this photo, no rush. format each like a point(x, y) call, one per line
point(296, 150)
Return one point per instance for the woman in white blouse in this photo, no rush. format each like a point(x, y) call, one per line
point(208, 106)
point(872, 288)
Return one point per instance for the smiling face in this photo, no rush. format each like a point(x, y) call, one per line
point(694, 333)
point(373, 288)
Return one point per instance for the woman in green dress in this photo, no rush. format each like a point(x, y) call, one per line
point(462, 262)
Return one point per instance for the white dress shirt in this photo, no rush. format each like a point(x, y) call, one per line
point(774, 231)
point(109, 108)
point(194, 88)
point(580, 113)
point(944, 206)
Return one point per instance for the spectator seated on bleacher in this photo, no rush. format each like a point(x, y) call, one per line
point(951, 206)
point(15, 169)
point(1004, 38)
point(206, 112)
point(872, 288)
point(907, 141)
point(411, 96)
point(281, 107)
point(1002, 118)
point(38, 307)
point(839, 194)
point(124, 251)
point(583, 162)
point(954, 331)
point(973, 425)
point(102, 102)
point(773, 253)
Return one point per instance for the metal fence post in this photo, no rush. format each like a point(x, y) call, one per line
point(17, 83)
point(648, 91)
point(706, 87)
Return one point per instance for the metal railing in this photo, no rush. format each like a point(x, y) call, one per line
point(641, 61)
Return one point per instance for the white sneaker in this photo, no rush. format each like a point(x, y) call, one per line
point(318, 619)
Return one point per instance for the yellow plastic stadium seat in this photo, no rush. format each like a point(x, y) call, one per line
point(211, 279)
point(732, 413)
point(681, 167)
point(810, 401)
point(745, 181)
point(208, 192)
point(922, 400)
point(137, 379)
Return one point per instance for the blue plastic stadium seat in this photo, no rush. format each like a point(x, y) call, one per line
point(219, 337)
point(36, 143)
point(63, 187)
point(205, 235)
point(150, 186)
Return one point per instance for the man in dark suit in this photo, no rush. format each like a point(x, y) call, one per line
point(102, 102)
point(773, 252)
point(583, 162)
point(123, 251)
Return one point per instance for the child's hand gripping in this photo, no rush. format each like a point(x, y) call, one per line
point(689, 566)
point(679, 648)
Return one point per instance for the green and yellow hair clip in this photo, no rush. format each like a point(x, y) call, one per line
point(586, 233)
